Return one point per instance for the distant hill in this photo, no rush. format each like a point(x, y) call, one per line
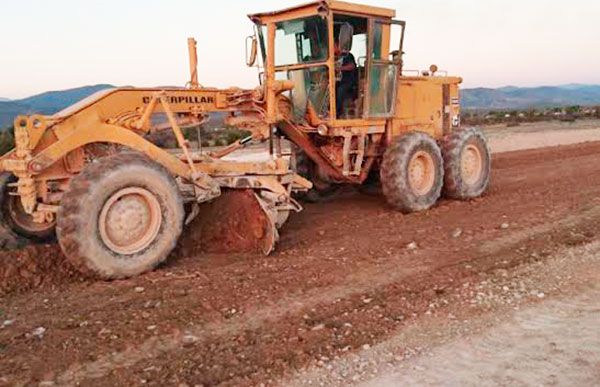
point(45, 103)
point(4, 99)
point(511, 97)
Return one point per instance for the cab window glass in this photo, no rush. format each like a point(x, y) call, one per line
point(301, 41)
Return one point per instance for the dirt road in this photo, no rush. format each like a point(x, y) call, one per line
point(552, 341)
point(555, 343)
point(346, 298)
point(541, 135)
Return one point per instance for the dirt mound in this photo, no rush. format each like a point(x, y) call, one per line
point(32, 267)
point(233, 223)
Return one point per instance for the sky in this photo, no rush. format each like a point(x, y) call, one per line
point(60, 44)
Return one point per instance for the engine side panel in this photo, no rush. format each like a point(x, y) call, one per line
point(427, 104)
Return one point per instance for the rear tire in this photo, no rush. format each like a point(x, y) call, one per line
point(467, 164)
point(412, 173)
point(121, 217)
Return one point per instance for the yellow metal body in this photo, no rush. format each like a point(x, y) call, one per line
point(52, 149)
point(49, 150)
point(345, 149)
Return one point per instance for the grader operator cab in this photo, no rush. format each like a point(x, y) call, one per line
point(331, 82)
point(302, 52)
point(352, 99)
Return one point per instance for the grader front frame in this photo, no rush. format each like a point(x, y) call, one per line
point(53, 151)
point(118, 214)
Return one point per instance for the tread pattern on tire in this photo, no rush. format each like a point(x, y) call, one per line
point(9, 240)
point(72, 213)
point(452, 146)
point(394, 172)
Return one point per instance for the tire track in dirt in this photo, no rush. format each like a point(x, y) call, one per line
point(156, 346)
point(569, 222)
point(550, 338)
point(555, 343)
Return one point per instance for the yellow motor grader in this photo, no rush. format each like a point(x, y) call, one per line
point(332, 83)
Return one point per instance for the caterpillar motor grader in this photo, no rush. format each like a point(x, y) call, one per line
point(90, 176)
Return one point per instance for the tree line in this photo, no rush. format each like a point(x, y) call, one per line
point(514, 117)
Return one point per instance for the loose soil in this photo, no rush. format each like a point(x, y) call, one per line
point(33, 267)
point(554, 343)
point(345, 278)
point(233, 223)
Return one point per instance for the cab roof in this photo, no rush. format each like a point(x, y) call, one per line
point(326, 5)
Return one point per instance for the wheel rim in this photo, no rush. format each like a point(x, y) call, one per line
point(421, 173)
point(130, 220)
point(471, 164)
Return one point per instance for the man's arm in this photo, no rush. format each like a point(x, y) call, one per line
point(348, 67)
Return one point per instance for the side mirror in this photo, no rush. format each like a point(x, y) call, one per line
point(251, 51)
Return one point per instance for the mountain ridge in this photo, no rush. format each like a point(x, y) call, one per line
point(512, 97)
point(47, 103)
point(479, 98)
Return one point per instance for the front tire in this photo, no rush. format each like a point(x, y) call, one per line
point(467, 164)
point(121, 217)
point(412, 173)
